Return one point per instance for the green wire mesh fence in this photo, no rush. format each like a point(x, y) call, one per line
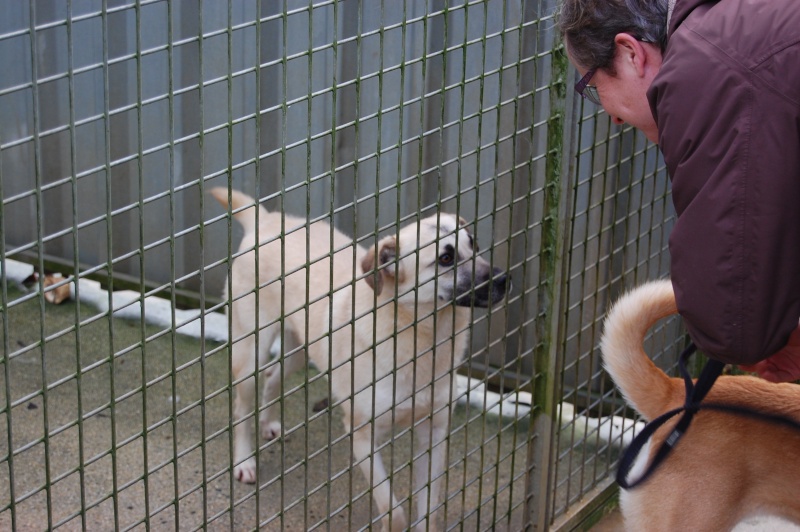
point(116, 119)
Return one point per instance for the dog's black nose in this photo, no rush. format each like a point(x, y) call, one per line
point(501, 281)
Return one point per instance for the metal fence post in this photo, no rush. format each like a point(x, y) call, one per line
point(555, 231)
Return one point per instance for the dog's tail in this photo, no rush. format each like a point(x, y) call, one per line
point(644, 386)
point(238, 201)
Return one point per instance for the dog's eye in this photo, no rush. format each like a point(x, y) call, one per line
point(446, 259)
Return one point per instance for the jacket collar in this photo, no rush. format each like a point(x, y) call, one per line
point(678, 10)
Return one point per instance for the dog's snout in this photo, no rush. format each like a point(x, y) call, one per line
point(486, 290)
point(501, 281)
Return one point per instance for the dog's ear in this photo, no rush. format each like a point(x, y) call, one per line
point(385, 267)
point(461, 222)
point(368, 266)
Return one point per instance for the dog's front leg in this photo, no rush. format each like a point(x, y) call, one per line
point(373, 469)
point(429, 468)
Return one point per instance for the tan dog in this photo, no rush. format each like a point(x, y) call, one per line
point(726, 467)
point(388, 341)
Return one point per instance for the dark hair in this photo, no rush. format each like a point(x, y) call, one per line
point(589, 27)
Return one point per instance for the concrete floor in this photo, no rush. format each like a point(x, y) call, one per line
point(610, 523)
point(138, 422)
point(138, 436)
point(141, 440)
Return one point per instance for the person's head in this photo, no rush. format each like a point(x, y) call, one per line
point(618, 44)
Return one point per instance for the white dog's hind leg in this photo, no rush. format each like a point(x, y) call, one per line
point(271, 426)
point(244, 365)
point(372, 467)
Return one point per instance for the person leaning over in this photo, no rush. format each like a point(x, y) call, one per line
point(717, 85)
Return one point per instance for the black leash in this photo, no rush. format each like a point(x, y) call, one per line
point(695, 392)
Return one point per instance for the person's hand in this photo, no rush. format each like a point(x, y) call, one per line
point(783, 366)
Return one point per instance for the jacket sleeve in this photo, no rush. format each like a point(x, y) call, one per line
point(732, 148)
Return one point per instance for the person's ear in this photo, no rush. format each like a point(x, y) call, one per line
point(630, 53)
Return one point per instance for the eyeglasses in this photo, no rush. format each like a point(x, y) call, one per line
point(588, 91)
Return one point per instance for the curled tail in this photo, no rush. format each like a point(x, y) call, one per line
point(644, 386)
point(238, 201)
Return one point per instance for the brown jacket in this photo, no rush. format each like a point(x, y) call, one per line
point(727, 105)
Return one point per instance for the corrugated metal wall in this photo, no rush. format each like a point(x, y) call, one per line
point(362, 112)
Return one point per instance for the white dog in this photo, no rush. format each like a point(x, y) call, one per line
point(388, 336)
point(727, 467)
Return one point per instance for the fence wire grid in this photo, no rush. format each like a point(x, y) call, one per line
point(117, 387)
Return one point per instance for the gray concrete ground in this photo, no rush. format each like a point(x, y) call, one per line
point(133, 432)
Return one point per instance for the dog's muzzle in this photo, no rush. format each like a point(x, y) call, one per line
point(487, 292)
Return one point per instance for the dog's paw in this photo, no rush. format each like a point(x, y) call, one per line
point(270, 430)
point(246, 471)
